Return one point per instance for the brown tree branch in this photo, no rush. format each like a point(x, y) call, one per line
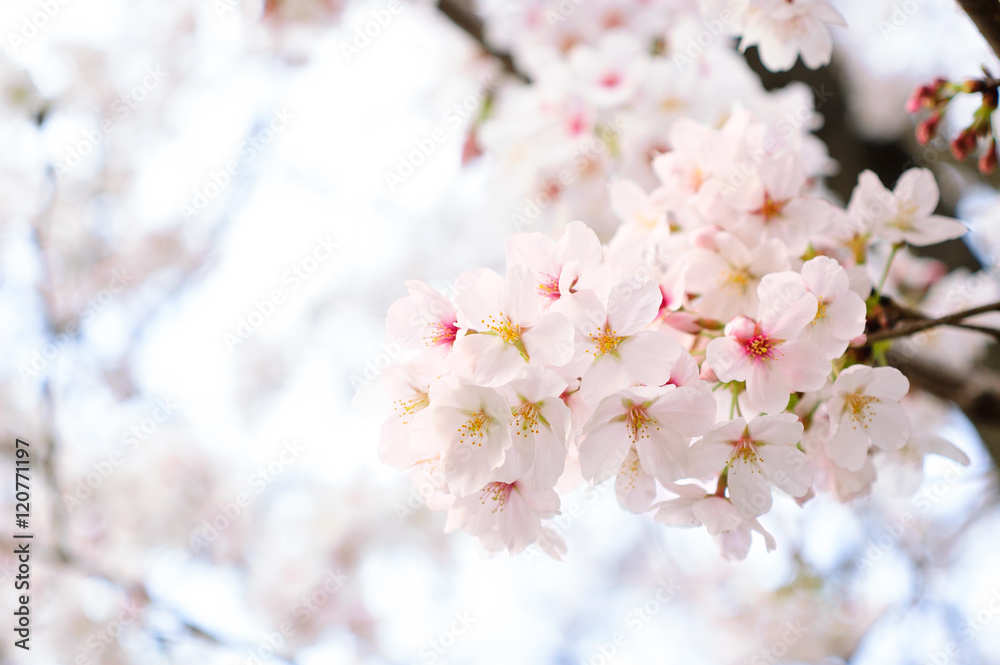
point(462, 15)
point(912, 327)
point(986, 15)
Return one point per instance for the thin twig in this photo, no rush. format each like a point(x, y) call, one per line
point(463, 17)
point(913, 327)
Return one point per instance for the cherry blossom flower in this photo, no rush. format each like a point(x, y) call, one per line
point(610, 74)
point(505, 515)
point(474, 423)
point(906, 214)
point(557, 265)
point(508, 326)
point(783, 30)
point(756, 455)
point(613, 347)
point(424, 318)
point(902, 471)
point(538, 430)
point(657, 422)
point(407, 437)
point(865, 411)
point(773, 206)
point(840, 314)
point(730, 529)
point(768, 354)
point(727, 279)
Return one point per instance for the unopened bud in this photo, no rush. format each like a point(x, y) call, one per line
point(988, 160)
point(927, 128)
point(964, 144)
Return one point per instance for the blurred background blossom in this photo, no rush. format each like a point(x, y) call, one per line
point(199, 240)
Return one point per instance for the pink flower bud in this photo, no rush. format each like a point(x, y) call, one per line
point(963, 146)
point(988, 160)
point(927, 128)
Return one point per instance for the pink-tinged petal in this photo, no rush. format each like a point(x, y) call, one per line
point(548, 463)
point(648, 357)
point(803, 365)
point(678, 512)
point(405, 441)
point(855, 377)
point(634, 488)
point(888, 383)
point(785, 305)
point(784, 176)
point(707, 459)
point(468, 467)
point(477, 297)
point(579, 243)
point(769, 541)
point(717, 514)
point(519, 458)
point(690, 410)
point(871, 203)
point(520, 302)
point(825, 277)
point(848, 447)
point(551, 341)
point(827, 13)
point(728, 359)
point(606, 376)
point(735, 544)
point(602, 451)
point(496, 362)
point(534, 383)
point(783, 429)
point(534, 251)
point(770, 256)
point(936, 445)
point(917, 187)
point(767, 389)
point(423, 318)
point(733, 250)
point(662, 454)
point(788, 468)
point(749, 489)
point(632, 307)
point(934, 229)
point(628, 200)
point(889, 427)
point(844, 318)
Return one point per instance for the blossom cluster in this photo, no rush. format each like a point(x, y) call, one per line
point(608, 81)
point(712, 352)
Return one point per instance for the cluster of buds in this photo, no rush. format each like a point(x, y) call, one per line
point(936, 96)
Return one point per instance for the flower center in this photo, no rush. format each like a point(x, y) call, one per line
point(508, 332)
point(761, 346)
point(475, 427)
point(407, 408)
point(771, 208)
point(440, 332)
point(636, 420)
point(860, 412)
point(738, 280)
point(498, 493)
point(549, 288)
point(820, 311)
point(904, 216)
point(745, 448)
point(604, 342)
point(526, 419)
